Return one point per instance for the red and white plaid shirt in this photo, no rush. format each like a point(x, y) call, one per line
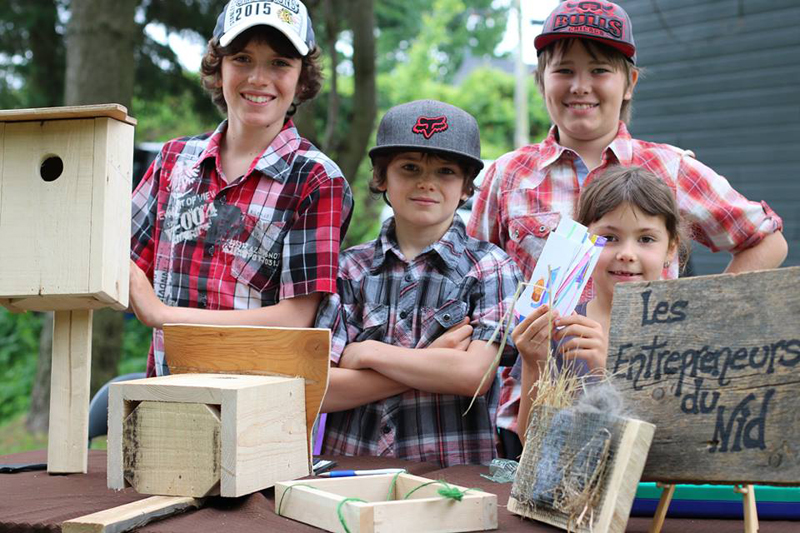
point(526, 192)
point(271, 234)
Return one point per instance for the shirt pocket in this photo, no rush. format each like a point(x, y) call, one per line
point(374, 323)
point(435, 321)
point(528, 233)
point(258, 253)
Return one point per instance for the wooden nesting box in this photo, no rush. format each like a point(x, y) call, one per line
point(65, 185)
point(385, 507)
point(206, 434)
point(65, 210)
point(579, 471)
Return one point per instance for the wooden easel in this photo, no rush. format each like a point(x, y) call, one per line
point(749, 503)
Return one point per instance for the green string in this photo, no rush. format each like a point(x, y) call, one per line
point(341, 515)
point(446, 491)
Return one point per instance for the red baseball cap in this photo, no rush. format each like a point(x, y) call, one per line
point(598, 20)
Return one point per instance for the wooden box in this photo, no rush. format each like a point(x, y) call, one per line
point(316, 502)
point(565, 453)
point(206, 434)
point(65, 186)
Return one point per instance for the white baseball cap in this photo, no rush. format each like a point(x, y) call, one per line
point(290, 17)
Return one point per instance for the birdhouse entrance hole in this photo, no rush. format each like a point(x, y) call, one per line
point(52, 168)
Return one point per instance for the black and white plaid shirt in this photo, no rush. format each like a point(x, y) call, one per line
point(385, 297)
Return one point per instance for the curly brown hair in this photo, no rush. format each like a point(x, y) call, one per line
point(308, 85)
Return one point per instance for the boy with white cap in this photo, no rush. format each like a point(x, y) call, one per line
point(587, 73)
point(242, 225)
point(398, 388)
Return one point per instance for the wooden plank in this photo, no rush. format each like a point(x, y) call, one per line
point(115, 111)
point(711, 362)
point(262, 444)
point(295, 352)
point(118, 411)
point(131, 515)
point(60, 302)
point(111, 212)
point(67, 448)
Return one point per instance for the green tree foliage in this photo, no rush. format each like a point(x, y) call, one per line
point(19, 346)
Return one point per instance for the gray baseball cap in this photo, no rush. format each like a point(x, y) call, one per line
point(429, 126)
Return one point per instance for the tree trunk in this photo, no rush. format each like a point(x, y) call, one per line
point(362, 21)
point(100, 41)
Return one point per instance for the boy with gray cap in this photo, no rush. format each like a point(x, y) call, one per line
point(242, 225)
point(398, 386)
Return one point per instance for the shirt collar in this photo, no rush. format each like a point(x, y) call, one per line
point(448, 249)
point(276, 159)
point(622, 147)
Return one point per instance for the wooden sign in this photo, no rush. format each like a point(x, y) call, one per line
point(713, 362)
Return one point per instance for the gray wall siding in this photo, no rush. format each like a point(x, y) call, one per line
point(722, 78)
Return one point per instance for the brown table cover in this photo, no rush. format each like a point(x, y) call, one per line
point(37, 501)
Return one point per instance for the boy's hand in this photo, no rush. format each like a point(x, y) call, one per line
point(457, 337)
point(143, 299)
point(530, 335)
point(589, 341)
point(356, 354)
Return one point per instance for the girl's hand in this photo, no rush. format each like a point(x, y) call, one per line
point(589, 341)
point(457, 337)
point(530, 335)
point(356, 354)
point(143, 300)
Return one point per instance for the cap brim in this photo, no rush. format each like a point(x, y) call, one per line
point(545, 39)
point(290, 34)
point(378, 150)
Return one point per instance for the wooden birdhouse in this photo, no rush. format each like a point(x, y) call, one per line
point(234, 417)
point(65, 187)
point(65, 184)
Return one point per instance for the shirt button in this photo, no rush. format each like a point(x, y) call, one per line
point(446, 317)
point(542, 228)
point(210, 250)
point(407, 277)
point(386, 430)
point(403, 315)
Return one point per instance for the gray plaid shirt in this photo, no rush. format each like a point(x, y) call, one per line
point(385, 297)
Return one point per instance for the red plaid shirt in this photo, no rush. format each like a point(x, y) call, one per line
point(526, 192)
point(270, 234)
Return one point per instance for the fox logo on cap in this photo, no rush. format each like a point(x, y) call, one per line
point(427, 126)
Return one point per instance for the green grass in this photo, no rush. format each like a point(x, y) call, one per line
point(14, 438)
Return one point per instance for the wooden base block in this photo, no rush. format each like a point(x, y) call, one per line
point(202, 434)
point(315, 502)
point(67, 446)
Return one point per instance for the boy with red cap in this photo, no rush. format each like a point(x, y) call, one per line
point(587, 73)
